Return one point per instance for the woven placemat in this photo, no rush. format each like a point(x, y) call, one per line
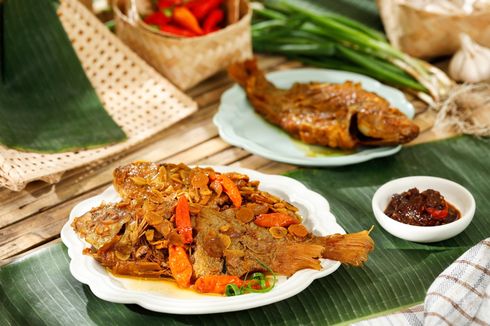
point(139, 100)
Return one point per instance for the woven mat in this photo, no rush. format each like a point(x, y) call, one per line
point(139, 100)
point(39, 288)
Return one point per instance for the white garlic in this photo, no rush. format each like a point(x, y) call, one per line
point(471, 63)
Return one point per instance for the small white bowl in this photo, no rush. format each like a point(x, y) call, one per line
point(454, 193)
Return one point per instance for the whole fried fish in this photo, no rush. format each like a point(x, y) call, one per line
point(335, 115)
point(261, 232)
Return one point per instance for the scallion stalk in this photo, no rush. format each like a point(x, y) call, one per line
point(326, 39)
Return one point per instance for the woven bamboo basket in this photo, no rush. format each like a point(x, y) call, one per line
point(186, 61)
point(137, 97)
point(426, 34)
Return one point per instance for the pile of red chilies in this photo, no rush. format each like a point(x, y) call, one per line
point(187, 18)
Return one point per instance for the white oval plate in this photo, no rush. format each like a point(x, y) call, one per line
point(312, 206)
point(239, 125)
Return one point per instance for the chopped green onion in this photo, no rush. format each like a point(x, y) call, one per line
point(256, 280)
point(232, 290)
point(258, 276)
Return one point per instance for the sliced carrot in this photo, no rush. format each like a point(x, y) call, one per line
point(230, 189)
point(183, 219)
point(216, 283)
point(275, 219)
point(180, 266)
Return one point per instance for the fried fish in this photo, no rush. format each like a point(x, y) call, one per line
point(334, 115)
point(190, 224)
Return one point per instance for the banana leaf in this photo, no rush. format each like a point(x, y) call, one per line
point(39, 289)
point(47, 104)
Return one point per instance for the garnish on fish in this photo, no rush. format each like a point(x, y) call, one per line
point(206, 230)
point(334, 115)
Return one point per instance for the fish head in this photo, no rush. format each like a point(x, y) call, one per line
point(383, 127)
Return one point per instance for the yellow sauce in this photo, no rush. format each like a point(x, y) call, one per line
point(162, 286)
point(165, 286)
point(320, 151)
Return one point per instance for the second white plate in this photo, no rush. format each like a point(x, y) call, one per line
point(239, 125)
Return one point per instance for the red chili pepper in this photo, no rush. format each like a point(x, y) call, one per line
point(438, 214)
point(157, 18)
point(216, 283)
point(164, 4)
point(183, 17)
point(180, 266)
point(212, 20)
point(201, 8)
point(183, 220)
point(172, 29)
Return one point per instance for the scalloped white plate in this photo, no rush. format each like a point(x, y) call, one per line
point(162, 296)
point(239, 125)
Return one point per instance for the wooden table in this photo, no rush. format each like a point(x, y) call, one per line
point(34, 217)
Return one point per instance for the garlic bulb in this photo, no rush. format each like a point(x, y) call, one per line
point(471, 63)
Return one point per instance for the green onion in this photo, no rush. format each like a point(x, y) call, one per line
point(232, 290)
point(333, 41)
point(250, 285)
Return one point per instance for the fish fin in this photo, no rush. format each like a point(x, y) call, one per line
point(351, 249)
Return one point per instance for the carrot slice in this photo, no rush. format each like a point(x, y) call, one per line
point(180, 266)
point(275, 219)
point(183, 219)
point(231, 190)
point(216, 283)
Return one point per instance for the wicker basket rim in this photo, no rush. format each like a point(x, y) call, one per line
point(125, 18)
point(479, 13)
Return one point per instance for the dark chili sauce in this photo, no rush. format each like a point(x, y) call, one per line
point(426, 208)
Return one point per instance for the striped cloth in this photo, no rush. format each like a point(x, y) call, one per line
point(459, 296)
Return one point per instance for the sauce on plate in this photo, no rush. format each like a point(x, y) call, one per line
point(426, 208)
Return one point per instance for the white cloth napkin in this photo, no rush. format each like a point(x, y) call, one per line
point(459, 296)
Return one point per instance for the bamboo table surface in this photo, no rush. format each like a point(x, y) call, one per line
point(34, 216)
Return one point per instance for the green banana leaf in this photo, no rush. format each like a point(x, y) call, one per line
point(47, 104)
point(40, 290)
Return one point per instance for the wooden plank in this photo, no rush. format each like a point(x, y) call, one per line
point(195, 154)
point(253, 162)
point(225, 157)
point(42, 227)
point(277, 168)
point(28, 252)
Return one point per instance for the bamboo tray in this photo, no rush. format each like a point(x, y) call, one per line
point(139, 99)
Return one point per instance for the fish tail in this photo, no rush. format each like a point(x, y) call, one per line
point(294, 257)
point(241, 72)
point(248, 75)
point(351, 249)
point(262, 94)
